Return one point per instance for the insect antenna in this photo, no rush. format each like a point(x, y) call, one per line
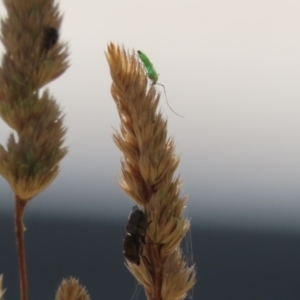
point(168, 101)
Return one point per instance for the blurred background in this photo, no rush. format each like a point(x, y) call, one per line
point(232, 68)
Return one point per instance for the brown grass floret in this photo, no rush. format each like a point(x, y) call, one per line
point(70, 289)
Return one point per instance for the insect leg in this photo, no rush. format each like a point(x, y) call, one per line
point(168, 101)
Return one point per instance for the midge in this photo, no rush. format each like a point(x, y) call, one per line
point(153, 76)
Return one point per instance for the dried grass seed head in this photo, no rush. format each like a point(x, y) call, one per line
point(30, 162)
point(70, 289)
point(148, 177)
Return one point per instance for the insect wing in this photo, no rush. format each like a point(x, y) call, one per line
point(132, 248)
point(153, 76)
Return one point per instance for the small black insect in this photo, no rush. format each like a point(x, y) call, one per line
point(135, 235)
point(51, 36)
point(137, 223)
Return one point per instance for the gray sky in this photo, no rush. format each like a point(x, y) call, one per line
point(232, 68)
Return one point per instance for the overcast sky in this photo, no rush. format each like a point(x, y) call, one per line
point(232, 68)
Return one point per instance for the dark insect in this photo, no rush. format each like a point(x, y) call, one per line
point(135, 235)
point(51, 36)
point(137, 223)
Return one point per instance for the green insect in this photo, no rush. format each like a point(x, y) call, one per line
point(153, 76)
